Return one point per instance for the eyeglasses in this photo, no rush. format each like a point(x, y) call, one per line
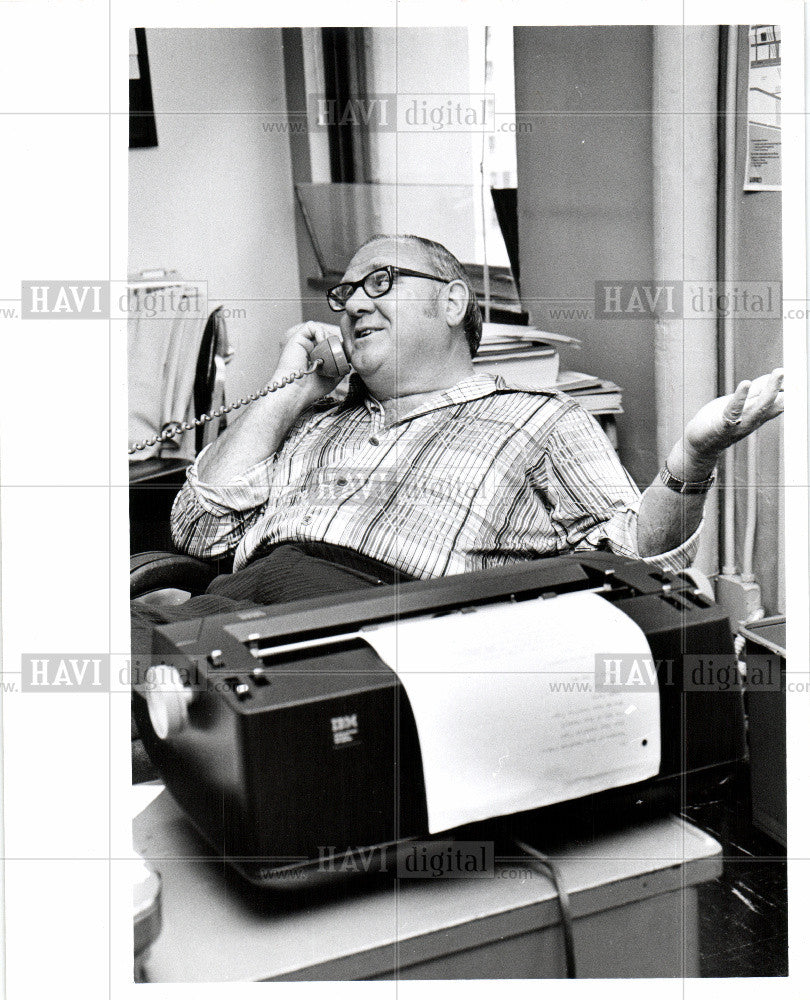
point(375, 285)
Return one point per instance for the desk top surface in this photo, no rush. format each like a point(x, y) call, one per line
point(215, 931)
point(156, 469)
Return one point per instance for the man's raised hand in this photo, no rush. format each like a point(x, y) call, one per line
point(728, 419)
point(300, 341)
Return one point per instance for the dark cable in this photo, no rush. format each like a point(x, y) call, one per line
point(550, 870)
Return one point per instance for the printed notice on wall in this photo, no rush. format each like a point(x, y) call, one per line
point(763, 167)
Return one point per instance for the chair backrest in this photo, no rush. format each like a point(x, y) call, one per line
point(209, 381)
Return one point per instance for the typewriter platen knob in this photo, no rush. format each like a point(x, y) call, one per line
point(167, 700)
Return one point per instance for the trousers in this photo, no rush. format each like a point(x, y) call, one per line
point(289, 572)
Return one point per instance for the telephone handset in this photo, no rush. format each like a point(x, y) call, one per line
point(330, 352)
point(328, 356)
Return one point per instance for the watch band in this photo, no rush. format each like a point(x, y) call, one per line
point(685, 489)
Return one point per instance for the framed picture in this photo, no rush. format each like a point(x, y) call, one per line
point(142, 128)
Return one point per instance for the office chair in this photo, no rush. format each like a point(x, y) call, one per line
point(160, 570)
point(154, 482)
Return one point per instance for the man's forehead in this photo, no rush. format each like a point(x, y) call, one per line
point(379, 254)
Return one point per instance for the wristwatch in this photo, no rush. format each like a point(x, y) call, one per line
point(685, 489)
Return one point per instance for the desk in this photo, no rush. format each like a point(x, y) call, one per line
point(765, 656)
point(633, 895)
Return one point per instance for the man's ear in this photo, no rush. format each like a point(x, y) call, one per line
point(458, 295)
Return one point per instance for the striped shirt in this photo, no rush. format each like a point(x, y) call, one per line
point(479, 475)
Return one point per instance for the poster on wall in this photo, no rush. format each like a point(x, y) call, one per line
point(142, 128)
point(763, 165)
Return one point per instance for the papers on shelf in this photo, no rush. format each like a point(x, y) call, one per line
point(505, 334)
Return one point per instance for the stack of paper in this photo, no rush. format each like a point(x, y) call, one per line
point(593, 394)
point(522, 355)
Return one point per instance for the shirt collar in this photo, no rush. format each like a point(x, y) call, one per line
point(476, 386)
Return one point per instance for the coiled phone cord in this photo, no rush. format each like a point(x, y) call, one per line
point(173, 429)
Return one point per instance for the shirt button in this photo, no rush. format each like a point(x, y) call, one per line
point(341, 480)
point(306, 519)
point(374, 440)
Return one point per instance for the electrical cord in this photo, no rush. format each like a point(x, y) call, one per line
point(550, 870)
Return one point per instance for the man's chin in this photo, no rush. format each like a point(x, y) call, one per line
point(364, 359)
point(374, 375)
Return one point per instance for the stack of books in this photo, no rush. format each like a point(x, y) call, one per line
point(597, 395)
point(522, 355)
point(527, 357)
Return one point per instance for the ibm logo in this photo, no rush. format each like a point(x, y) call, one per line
point(344, 729)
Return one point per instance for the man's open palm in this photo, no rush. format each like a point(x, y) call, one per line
point(729, 419)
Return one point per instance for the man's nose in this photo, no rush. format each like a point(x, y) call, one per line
point(359, 303)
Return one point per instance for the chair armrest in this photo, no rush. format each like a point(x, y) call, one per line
point(150, 571)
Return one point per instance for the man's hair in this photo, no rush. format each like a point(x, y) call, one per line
point(446, 265)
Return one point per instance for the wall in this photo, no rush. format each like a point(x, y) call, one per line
point(585, 203)
point(214, 199)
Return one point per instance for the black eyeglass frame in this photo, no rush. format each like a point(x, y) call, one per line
point(391, 270)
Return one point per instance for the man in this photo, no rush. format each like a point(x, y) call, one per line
point(427, 468)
